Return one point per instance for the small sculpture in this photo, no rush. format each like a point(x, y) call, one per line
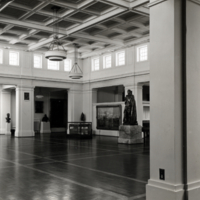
point(130, 115)
point(82, 117)
point(45, 118)
point(8, 118)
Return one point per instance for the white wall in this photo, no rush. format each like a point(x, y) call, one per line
point(131, 74)
point(26, 70)
point(81, 92)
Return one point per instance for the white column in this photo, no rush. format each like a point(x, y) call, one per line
point(1, 109)
point(5, 107)
point(24, 112)
point(165, 102)
point(193, 96)
point(75, 99)
point(89, 97)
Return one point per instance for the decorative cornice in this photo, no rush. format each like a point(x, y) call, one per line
point(117, 77)
point(142, 73)
point(155, 3)
point(196, 2)
point(30, 78)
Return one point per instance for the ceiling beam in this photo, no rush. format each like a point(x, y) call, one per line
point(96, 20)
point(8, 27)
point(82, 26)
point(138, 3)
point(119, 3)
point(29, 25)
point(100, 39)
point(113, 48)
point(142, 10)
point(119, 30)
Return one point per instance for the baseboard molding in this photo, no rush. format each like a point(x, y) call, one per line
point(24, 133)
point(165, 191)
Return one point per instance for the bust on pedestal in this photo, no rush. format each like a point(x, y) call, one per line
point(45, 125)
point(130, 132)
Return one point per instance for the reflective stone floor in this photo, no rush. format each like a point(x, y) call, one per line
point(52, 167)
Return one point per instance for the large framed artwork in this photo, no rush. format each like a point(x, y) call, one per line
point(109, 117)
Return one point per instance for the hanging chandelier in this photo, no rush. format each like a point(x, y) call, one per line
point(56, 50)
point(76, 72)
point(39, 95)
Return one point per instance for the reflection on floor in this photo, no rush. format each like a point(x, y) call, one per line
point(52, 167)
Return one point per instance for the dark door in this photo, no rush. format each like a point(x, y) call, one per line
point(58, 113)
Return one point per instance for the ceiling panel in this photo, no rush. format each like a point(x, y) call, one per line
point(80, 16)
point(71, 1)
point(65, 24)
point(28, 3)
point(2, 25)
point(43, 34)
point(110, 23)
point(13, 12)
point(99, 7)
point(17, 28)
point(38, 18)
point(49, 9)
point(92, 30)
point(129, 15)
point(85, 22)
point(9, 34)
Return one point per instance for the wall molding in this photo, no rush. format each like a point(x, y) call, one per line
point(61, 81)
point(29, 78)
point(155, 3)
point(166, 186)
point(118, 77)
point(193, 185)
point(195, 1)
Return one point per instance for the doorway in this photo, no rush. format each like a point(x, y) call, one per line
point(58, 113)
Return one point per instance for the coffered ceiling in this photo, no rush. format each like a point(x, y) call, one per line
point(96, 26)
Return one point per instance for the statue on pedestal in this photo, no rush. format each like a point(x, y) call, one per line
point(130, 114)
point(130, 132)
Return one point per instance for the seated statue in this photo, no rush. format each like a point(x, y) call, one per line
point(130, 115)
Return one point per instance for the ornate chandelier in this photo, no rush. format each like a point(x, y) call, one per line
point(76, 72)
point(56, 50)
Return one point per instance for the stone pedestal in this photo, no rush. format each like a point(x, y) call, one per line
point(130, 134)
point(45, 127)
point(8, 128)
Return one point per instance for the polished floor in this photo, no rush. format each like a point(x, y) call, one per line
point(52, 167)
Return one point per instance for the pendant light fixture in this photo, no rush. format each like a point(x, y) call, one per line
point(56, 50)
point(39, 94)
point(76, 72)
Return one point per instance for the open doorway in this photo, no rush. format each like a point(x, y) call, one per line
point(58, 114)
point(53, 103)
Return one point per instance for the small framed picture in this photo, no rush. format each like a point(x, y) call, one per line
point(26, 96)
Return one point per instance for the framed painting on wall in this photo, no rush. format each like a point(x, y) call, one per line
point(109, 117)
point(26, 96)
point(39, 106)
